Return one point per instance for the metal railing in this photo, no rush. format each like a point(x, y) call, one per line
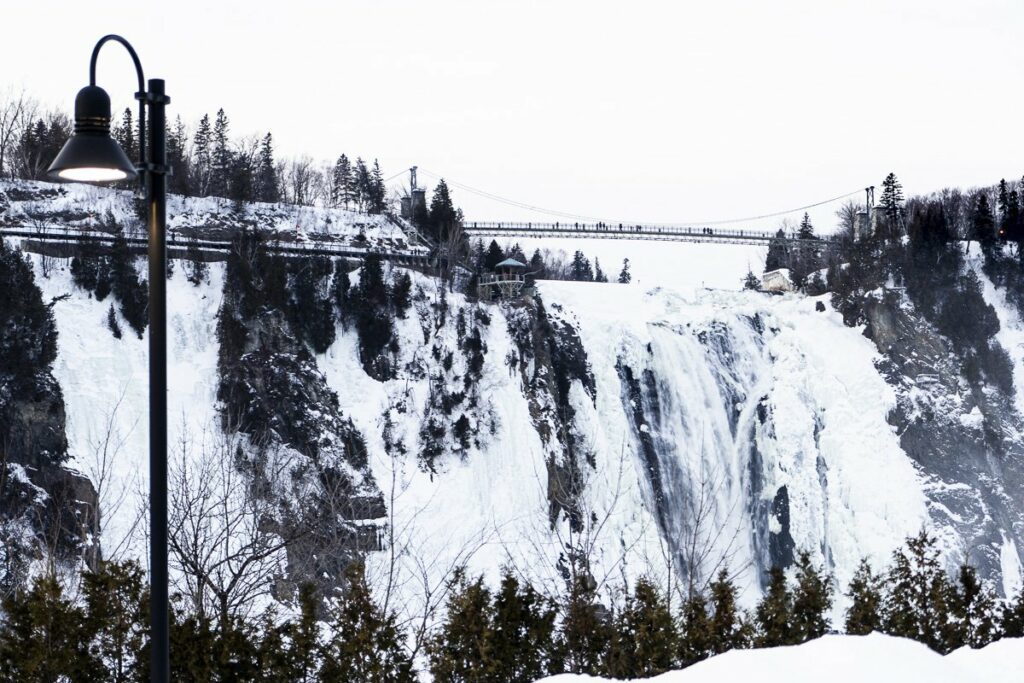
point(636, 231)
point(59, 233)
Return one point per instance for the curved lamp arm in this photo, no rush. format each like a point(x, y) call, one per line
point(140, 95)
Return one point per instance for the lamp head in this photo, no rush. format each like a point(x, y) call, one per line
point(90, 154)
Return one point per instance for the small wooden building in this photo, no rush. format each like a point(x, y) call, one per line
point(506, 281)
point(777, 281)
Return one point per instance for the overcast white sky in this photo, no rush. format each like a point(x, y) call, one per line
point(645, 111)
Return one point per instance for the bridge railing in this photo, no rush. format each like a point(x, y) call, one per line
point(615, 228)
point(624, 230)
point(63, 233)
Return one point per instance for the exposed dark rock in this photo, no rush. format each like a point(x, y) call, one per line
point(961, 433)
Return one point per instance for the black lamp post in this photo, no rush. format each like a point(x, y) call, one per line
point(91, 155)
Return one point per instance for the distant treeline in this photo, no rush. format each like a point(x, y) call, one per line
point(545, 265)
point(207, 160)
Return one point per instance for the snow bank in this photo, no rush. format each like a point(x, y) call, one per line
point(849, 659)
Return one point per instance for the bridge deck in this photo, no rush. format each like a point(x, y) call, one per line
point(671, 233)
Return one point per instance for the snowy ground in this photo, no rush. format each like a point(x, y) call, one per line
point(850, 659)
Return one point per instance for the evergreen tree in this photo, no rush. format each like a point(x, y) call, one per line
point(696, 641)
point(918, 595)
point(580, 269)
point(112, 324)
point(1013, 224)
point(242, 180)
point(311, 308)
point(220, 156)
point(1003, 201)
point(624, 276)
point(585, 631)
point(42, 637)
point(521, 648)
point(537, 264)
point(775, 613)
point(516, 252)
point(751, 281)
point(892, 205)
point(494, 256)
point(599, 275)
point(812, 600)
point(127, 135)
point(1011, 618)
point(368, 645)
point(179, 182)
point(806, 230)
point(302, 653)
point(342, 183)
point(362, 183)
point(340, 285)
point(378, 192)
point(268, 188)
point(28, 333)
point(125, 284)
point(196, 269)
point(202, 156)
point(116, 607)
point(443, 216)
point(972, 610)
point(864, 615)
point(372, 319)
point(644, 639)
point(778, 254)
point(38, 145)
point(929, 228)
point(460, 651)
point(401, 293)
point(982, 222)
point(728, 628)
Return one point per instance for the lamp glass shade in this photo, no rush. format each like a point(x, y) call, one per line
point(91, 158)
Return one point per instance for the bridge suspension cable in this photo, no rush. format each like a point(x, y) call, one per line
point(572, 216)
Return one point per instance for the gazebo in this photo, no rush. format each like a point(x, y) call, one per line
point(508, 278)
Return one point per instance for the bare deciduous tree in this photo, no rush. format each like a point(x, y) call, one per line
point(15, 109)
point(219, 536)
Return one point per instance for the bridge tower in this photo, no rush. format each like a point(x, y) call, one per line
point(416, 201)
point(867, 218)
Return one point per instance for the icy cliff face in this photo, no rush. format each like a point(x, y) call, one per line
point(665, 431)
point(704, 427)
point(754, 426)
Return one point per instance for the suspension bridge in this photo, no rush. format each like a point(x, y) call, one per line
point(577, 226)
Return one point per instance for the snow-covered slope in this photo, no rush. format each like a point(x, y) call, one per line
point(106, 384)
point(31, 205)
point(849, 659)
